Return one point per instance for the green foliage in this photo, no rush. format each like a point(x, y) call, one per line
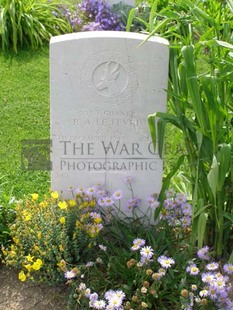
point(145, 284)
point(7, 213)
point(24, 105)
point(29, 23)
point(122, 10)
point(48, 235)
point(200, 100)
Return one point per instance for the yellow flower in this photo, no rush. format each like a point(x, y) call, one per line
point(54, 195)
point(62, 264)
point(72, 203)
point(36, 248)
point(92, 203)
point(34, 196)
point(37, 264)
point(22, 276)
point(98, 220)
point(62, 220)
point(84, 205)
point(60, 248)
point(28, 267)
point(62, 205)
point(4, 252)
point(78, 224)
point(39, 235)
point(27, 215)
point(16, 240)
point(29, 258)
point(43, 204)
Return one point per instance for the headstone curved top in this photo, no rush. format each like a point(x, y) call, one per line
point(103, 86)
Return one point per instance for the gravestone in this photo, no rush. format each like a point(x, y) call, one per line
point(103, 86)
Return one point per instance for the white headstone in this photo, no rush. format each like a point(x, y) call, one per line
point(103, 86)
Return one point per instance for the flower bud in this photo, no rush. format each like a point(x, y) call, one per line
point(184, 293)
point(146, 283)
point(143, 290)
point(144, 305)
point(149, 272)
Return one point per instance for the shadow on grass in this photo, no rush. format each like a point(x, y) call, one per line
point(25, 54)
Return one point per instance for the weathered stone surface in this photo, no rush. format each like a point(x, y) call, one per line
point(103, 86)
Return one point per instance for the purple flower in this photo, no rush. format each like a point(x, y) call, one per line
point(228, 268)
point(180, 198)
point(185, 221)
point(169, 204)
point(92, 15)
point(105, 201)
point(207, 277)
point(99, 16)
point(132, 203)
point(150, 200)
point(100, 193)
point(186, 208)
point(70, 274)
point(147, 252)
point(203, 253)
point(155, 204)
point(139, 242)
point(99, 304)
point(95, 215)
point(193, 270)
point(117, 195)
point(170, 193)
point(165, 261)
point(212, 266)
point(93, 297)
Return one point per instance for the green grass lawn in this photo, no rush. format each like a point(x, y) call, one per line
point(24, 110)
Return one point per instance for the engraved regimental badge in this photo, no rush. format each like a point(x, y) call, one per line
point(109, 77)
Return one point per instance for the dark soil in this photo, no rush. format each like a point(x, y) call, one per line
point(15, 295)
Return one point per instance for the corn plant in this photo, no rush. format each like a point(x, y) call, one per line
point(201, 104)
point(29, 23)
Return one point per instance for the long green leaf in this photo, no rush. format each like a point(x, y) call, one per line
point(212, 177)
point(161, 125)
point(167, 179)
point(201, 228)
point(230, 4)
point(152, 127)
point(224, 44)
point(166, 117)
point(224, 158)
point(192, 84)
point(156, 29)
point(130, 19)
point(152, 15)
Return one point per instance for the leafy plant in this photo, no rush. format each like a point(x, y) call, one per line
point(200, 99)
point(92, 15)
point(29, 23)
point(7, 213)
point(151, 267)
point(50, 234)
